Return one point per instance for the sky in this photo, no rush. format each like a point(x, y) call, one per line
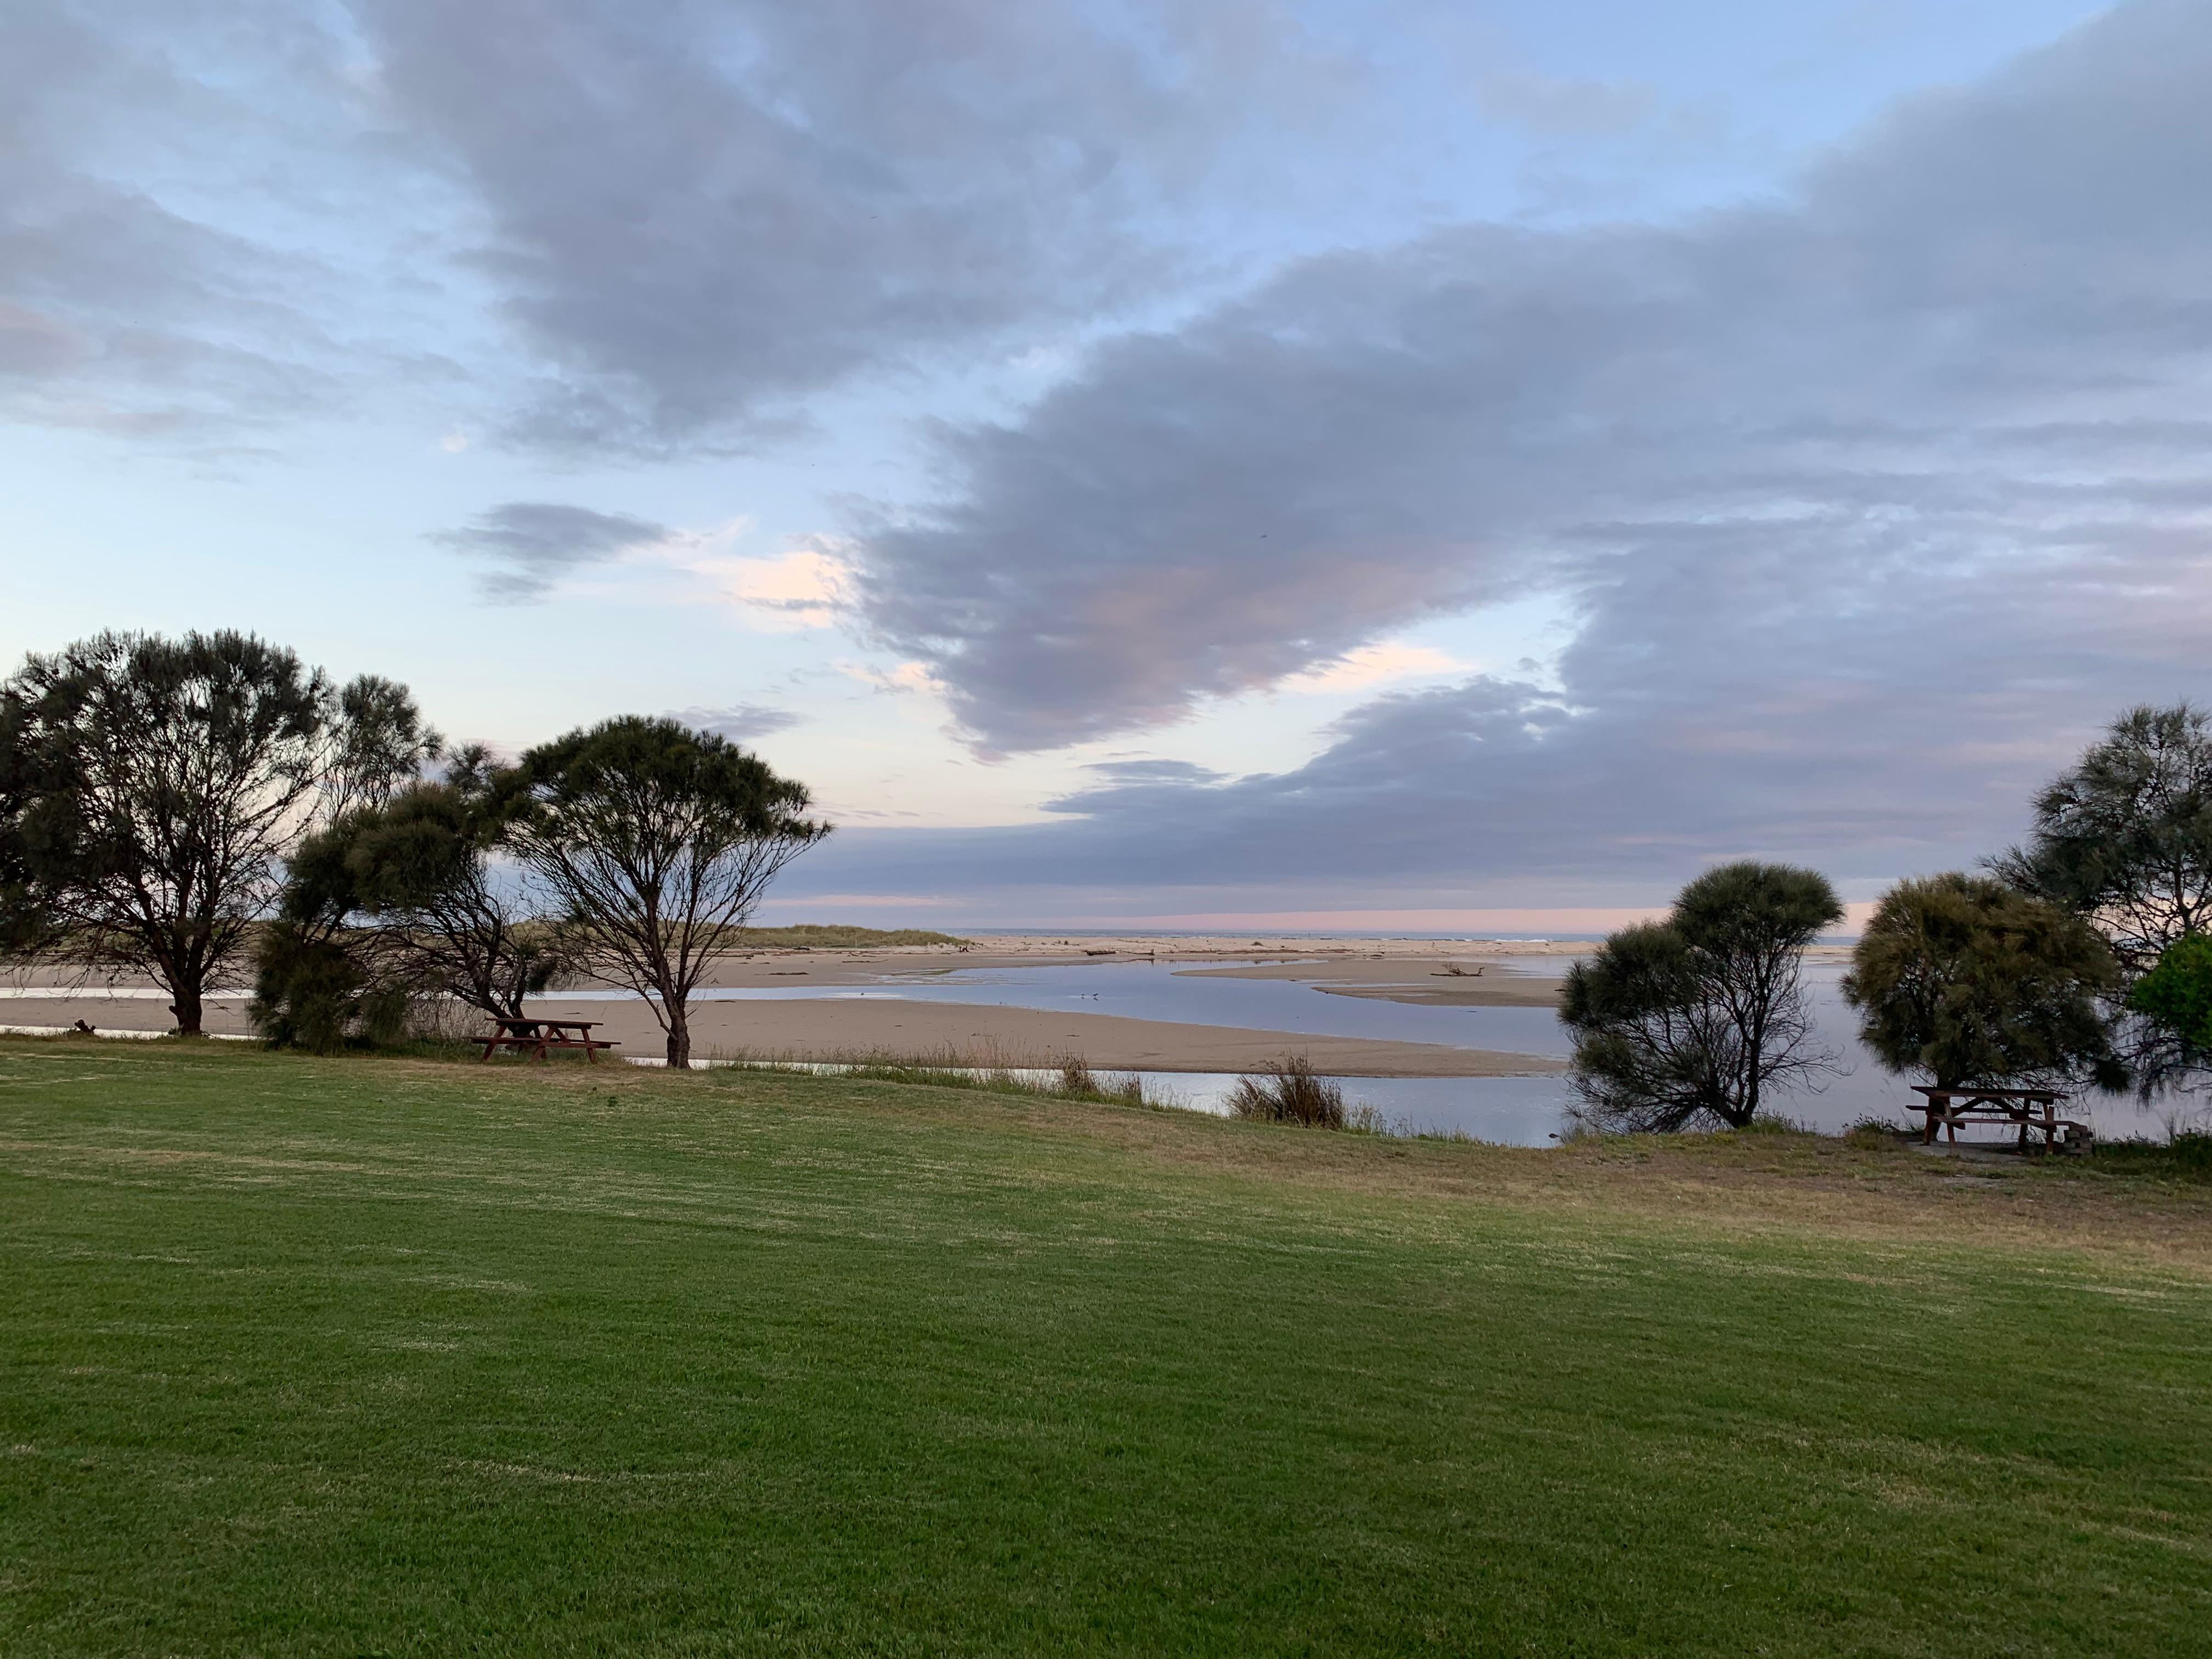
point(1225, 463)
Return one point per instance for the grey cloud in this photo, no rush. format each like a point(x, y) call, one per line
point(741, 722)
point(532, 544)
point(1952, 350)
point(701, 213)
point(608, 225)
point(1136, 772)
point(204, 230)
point(117, 312)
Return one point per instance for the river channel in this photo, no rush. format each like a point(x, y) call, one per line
point(1513, 1110)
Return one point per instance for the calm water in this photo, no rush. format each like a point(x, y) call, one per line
point(1515, 1110)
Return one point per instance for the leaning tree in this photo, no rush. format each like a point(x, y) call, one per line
point(1653, 1052)
point(656, 841)
point(1966, 979)
point(157, 786)
point(397, 899)
point(1699, 1017)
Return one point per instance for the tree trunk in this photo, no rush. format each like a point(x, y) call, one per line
point(679, 1036)
point(186, 1008)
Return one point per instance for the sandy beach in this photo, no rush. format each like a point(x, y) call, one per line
point(1471, 973)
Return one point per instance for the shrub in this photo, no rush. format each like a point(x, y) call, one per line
point(1290, 1093)
point(324, 994)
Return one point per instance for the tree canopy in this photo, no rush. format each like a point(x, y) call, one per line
point(1966, 979)
point(2124, 837)
point(2175, 999)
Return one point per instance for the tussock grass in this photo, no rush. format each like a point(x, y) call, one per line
point(990, 1069)
point(1771, 1123)
point(2186, 1156)
point(1290, 1091)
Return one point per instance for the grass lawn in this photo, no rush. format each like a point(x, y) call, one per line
point(375, 1356)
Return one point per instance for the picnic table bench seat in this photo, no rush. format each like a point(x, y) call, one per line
point(539, 1036)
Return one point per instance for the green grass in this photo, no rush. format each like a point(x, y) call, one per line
point(373, 1356)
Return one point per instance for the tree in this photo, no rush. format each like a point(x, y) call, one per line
point(25, 924)
point(1747, 924)
point(1698, 1018)
point(401, 894)
point(1968, 980)
point(2125, 837)
point(655, 840)
point(380, 747)
point(421, 866)
point(2174, 999)
point(161, 784)
point(1651, 1050)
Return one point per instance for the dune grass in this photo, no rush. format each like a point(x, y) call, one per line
point(379, 1355)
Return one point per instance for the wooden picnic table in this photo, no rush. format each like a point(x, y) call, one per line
point(541, 1035)
point(2034, 1111)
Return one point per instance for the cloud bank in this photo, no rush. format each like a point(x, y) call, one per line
point(1872, 503)
point(643, 226)
point(1976, 341)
